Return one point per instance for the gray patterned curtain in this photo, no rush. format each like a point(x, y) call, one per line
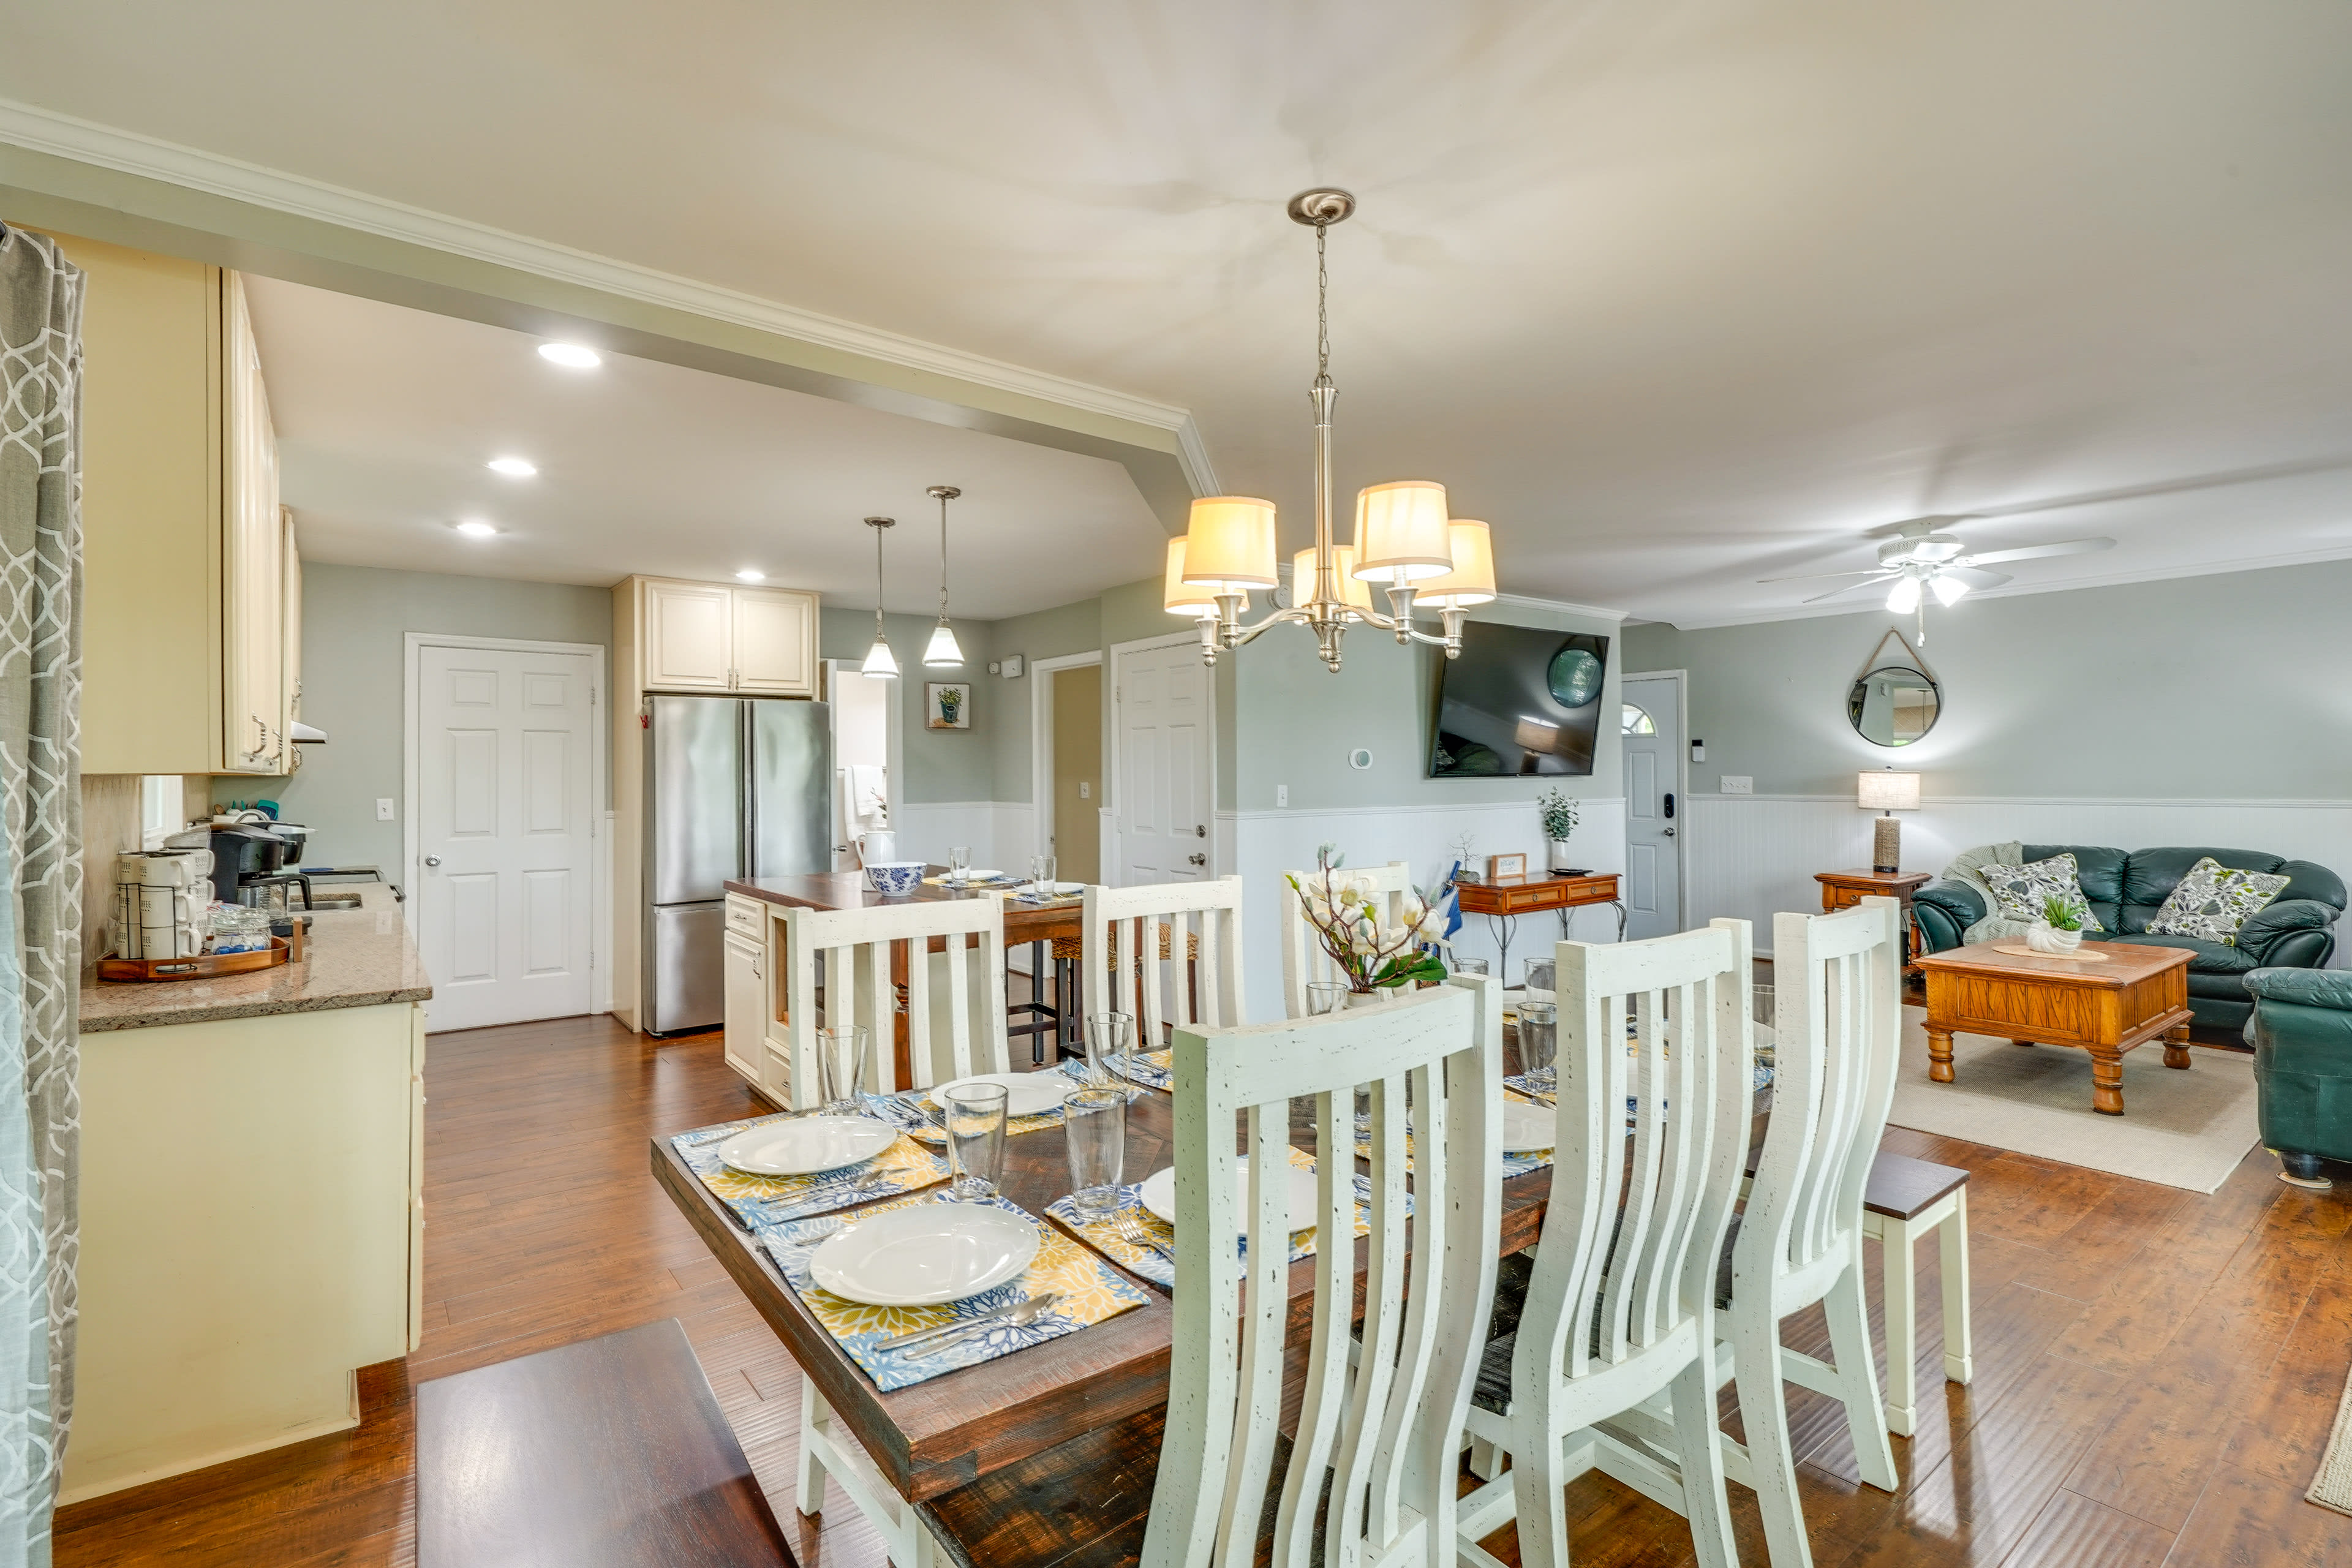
point(40, 863)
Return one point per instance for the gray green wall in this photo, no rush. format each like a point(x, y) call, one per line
point(940, 764)
point(2230, 686)
point(354, 621)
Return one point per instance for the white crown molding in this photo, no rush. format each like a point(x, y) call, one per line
point(2104, 580)
point(44, 131)
point(1565, 606)
point(1193, 454)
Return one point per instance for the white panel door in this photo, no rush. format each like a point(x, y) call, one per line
point(689, 637)
point(1163, 723)
point(1654, 812)
point(504, 820)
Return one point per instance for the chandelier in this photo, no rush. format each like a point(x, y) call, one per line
point(1404, 539)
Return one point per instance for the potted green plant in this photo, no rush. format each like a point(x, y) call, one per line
point(1559, 814)
point(2060, 929)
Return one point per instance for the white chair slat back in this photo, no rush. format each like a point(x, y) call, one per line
point(855, 949)
point(1303, 958)
point(1126, 932)
point(1387, 1430)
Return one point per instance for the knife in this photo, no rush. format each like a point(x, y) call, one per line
point(1015, 1313)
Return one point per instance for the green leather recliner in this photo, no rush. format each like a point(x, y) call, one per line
point(2302, 1035)
point(2126, 888)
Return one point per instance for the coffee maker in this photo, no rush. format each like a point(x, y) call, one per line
point(250, 859)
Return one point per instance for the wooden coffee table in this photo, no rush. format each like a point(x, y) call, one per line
point(2105, 1008)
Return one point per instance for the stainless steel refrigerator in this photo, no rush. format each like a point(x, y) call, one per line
point(735, 787)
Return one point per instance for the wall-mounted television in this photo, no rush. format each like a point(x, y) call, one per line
point(1521, 701)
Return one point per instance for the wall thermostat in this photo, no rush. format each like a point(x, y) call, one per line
point(1014, 667)
point(1359, 759)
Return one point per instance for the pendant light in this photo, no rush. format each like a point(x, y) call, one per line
point(944, 653)
point(880, 662)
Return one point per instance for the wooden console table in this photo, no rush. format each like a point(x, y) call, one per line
point(1843, 890)
point(1504, 901)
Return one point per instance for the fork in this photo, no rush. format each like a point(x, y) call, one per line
point(1131, 1230)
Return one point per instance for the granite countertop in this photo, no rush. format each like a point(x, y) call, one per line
point(357, 958)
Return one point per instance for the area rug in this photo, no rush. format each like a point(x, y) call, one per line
point(2181, 1129)
point(2332, 1487)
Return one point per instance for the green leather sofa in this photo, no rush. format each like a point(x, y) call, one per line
point(2126, 888)
point(2302, 1035)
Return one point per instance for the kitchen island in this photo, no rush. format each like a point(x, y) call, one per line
point(252, 1218)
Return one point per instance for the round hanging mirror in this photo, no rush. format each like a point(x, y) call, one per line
point(1895, 699)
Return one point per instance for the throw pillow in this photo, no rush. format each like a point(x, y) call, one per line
point(2213, 901)
point(2022, 890)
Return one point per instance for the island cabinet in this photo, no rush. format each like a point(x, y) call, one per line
point(190, 583)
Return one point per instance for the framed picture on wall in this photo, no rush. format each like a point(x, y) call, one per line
point(949, 704)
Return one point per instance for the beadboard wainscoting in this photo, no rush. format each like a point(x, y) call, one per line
point(1266, 844)
point(1753, 856)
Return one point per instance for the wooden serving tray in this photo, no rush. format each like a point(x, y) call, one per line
point(202, 967)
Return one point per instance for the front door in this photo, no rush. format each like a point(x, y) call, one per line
point(1161, 700)
point(1655, 817)
point(506, 746)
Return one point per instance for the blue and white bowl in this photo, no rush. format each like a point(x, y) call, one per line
point(895, 878)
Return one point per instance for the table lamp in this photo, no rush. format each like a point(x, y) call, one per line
point(1887, 792)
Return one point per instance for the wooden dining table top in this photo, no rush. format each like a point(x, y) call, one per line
point(851, 890)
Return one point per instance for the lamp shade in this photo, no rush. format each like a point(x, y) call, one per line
point(1887, 790)
point(880, 662)
point(943, 652)
point(1401, 534)
point(1230, 541)
point(1472, 581)
point(1353, 592)
point(1180, 598)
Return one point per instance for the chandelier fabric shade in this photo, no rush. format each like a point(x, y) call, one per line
point(1354, 591)
point(1401, 534)
point(1472, 580)
point(1229, 545)
point(1179, 597)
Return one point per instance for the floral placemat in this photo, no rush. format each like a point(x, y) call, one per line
point(1090, 1293)
point(1142, 1243)
point(1152, 1069)
point(904, 1167)
point(1000, 881)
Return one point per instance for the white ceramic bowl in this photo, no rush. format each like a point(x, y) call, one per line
point(895, 878)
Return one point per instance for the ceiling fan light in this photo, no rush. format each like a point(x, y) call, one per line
point(1179, 597)
point(943, 652)
point(1948, 590)
point(1904, 597)
point(1472, 580)
point(1230, 541)
point(1400, 532)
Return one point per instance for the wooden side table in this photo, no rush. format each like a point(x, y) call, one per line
point(1843, 890)
point(1503, 902)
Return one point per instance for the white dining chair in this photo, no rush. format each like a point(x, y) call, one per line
point(1164, 952)
point(1384, 1435)
point(955, 1027)
point(1621, 1304)
point(1303, 958)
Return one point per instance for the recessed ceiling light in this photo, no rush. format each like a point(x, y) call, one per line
point(475, 527)
point(750, 575)
point(514, 467)
point(572, 356)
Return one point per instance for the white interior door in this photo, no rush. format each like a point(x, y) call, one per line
point(1654, 809)
point(1163, 722)
point(504, 814)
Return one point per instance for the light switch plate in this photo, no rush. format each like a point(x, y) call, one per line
point(1282, 795)
point(1739, 784)
point(383, 808)
point(1086, 790)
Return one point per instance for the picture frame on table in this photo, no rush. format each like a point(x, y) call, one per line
point(1503, 868)
point(947, 705)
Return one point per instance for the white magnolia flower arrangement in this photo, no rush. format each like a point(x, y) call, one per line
point(1374, 954)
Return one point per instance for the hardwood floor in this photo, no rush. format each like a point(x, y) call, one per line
point(2156, 1370)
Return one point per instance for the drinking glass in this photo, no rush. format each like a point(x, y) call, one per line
point(959, 864)
point(1109, 1037)
point(1470, 966)
point(1541, 972)
point(975, 1117)
point(1041, 876)
point(840, 1070)
point(1538, 1043)
point(1325, 997)
point(1094, 1130)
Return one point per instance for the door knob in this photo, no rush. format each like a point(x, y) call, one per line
point(1200, 830)
point(1668, 831)
point(433, 859)
point(1197, 860)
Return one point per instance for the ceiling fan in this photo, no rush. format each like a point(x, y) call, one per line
point(1922, 558)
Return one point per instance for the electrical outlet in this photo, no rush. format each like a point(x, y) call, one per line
point(1282, 795)
point(1086, 791)
point(1739, 784)
point(383, 808)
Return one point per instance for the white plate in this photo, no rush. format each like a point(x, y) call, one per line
point(1158, 1193)
point(926, 1256)
point(1528, 1128)
point(807, 1144)
point(975, 874)
point(1026, 1093)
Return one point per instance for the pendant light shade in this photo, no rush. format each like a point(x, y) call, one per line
point(1472, 581)
point(1354, 591)
point(942, 652)
point(880, 662)
point(1401, 534)
point(1231, 541)
point(1179, 597)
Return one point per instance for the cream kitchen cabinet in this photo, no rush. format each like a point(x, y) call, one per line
point(714, 638)
point(747, 1006)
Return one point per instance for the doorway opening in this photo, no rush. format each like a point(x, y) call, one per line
point(865, 715)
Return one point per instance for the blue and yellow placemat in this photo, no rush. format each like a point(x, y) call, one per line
point(1152, 1069)
point(1114, 1236)
point(1090, 1293)
point(912, 1113)
point(904, 1167)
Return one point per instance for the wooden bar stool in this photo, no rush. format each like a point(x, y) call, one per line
point(1903, 1201)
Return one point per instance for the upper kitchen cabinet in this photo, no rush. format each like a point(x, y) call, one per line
point(712, 637)
point(185, 563)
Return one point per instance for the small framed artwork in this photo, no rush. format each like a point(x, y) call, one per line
point(1500, 868)
point(951, 705)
